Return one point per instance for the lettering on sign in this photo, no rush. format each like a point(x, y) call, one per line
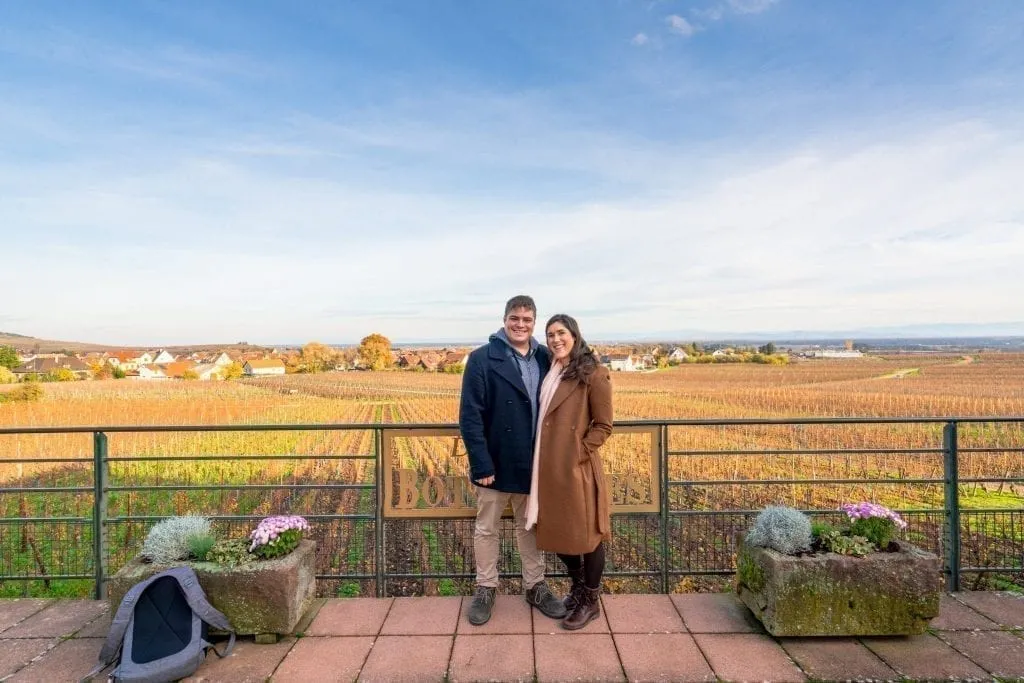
point(426, 472)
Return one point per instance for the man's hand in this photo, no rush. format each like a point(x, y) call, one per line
point(486, 481)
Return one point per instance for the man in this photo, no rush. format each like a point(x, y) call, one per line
point(498, 418)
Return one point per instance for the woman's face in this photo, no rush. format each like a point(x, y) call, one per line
point(560, 341)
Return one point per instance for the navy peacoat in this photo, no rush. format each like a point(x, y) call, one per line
point(495, 417)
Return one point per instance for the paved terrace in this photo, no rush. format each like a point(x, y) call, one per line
point(708, 637)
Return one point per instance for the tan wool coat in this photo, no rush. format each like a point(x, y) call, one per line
point(573, 498)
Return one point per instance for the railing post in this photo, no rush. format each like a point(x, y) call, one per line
point(951, 475)
point(379, 556)
point(663, 485)
point(99, 512)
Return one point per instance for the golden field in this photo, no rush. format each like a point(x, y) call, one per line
point(909, 385)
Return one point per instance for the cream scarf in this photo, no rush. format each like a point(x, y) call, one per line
point(547, 391)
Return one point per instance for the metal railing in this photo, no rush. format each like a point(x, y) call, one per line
point(690, 535)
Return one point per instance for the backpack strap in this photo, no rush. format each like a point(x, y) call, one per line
point(119, 624)
point(189, 583)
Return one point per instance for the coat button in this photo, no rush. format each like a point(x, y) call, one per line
point(508, 429)
point(509, 402)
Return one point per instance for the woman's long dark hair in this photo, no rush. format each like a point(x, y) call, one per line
point(582, 360)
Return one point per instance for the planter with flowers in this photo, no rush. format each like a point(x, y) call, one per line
point(263, 585)
point(814, 579)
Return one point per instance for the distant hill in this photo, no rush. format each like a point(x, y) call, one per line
point(26, 343)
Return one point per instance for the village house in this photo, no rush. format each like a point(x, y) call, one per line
point(150, 372)
point(129, 361)
point(408, 360)
point(678, 355)
point(177, 369)
point(430, 361)
point(837, 353)
point(43, 364)
point(260, 367)
point(163, 357)
point(621, 362)
point(454, 358)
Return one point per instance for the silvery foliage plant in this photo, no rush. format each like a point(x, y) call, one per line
point(168, 539)
point(781, 528)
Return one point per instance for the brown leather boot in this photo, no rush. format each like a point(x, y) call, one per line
point(588, 609)
point(575, 593)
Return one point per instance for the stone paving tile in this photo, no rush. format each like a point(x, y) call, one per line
point(247, 663)
point(511, 614)
point(330, 658)
point(999, 653)
point(13, 611)
point(1001, 607)
point(407, 659)
point(62, 618)
point(16, 653)
point(504, 657)
point(715, 613)
point(542, 624)
point(924, 657)
point(747, 657)
point(350, 617)
point(422, 616)
point(657, 657)
point(642, 614)
point(576, 657)
point(69, 661)
point(97, 628)
point(836, 659)
point(956, 616)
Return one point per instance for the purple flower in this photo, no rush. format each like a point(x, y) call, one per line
point(865, 510)
point(269, 528)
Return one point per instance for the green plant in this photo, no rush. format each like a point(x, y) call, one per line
point(818, 529)
point(199, 546)
point(447, 587)
point(349, 589)
point(230, 553)
point(834, 540)
point(277, 536)
point(874, 522)
point(783, 529)
point(30, 391)
point(169, 539)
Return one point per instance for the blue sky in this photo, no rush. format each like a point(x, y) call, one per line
point(276, 172)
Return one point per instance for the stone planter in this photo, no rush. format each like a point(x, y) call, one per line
point(265, 597)
point(825, 594)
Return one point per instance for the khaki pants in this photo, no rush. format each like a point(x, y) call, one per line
point(489, 506)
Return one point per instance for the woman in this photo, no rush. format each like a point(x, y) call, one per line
point(568, 494)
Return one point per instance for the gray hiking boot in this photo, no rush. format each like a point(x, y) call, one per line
point(541, 597)
point(480, 609)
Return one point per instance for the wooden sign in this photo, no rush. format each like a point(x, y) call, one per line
point(426, 472)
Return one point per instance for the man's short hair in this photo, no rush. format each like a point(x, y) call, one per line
point(520, 301)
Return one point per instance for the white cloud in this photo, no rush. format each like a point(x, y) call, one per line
point(639, 39)
point(718, 11)
point(819, 235)
point(750, 6)
point(679, 25)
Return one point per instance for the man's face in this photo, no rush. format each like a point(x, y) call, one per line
point(519, 325)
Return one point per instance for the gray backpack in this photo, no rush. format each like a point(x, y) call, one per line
point(159, 633)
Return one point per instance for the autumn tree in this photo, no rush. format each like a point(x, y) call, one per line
point(9, 357)
point(232, 371)
point(6, 376)
point(317, 357)
point(101, 369)
point(375, 351)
